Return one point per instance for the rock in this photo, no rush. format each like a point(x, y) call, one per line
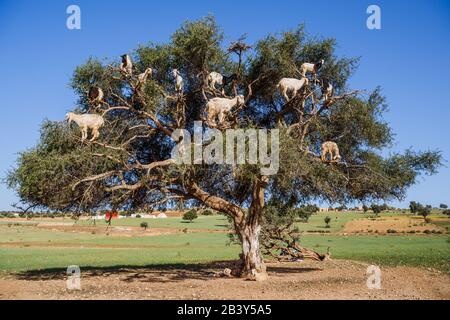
point(227, 272)
point(161, 215)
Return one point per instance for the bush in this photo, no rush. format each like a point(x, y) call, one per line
point(144, 225)
point(327, 221)
point(138, 216)
point(391, 231)
point(207, 212)
point(376, 208)
point(447, 212)
point(443, 206)
point(190, 215)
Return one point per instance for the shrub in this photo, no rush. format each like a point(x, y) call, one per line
point(391, 231)
point(427, 231)
point(207, 212)
point(447, 212)
point(443, 206)
point(138, 216)
point(144, 225)
point(376, 209)
point(190, 215)
point(424, 211)
point(327, 220)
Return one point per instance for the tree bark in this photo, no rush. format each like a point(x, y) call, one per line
point(253, 266)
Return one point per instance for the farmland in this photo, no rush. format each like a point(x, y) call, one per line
point(48, 246)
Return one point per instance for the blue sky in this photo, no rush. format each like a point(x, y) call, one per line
point(409, 58)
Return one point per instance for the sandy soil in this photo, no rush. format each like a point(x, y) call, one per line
point(336, 279)
point(383, 224)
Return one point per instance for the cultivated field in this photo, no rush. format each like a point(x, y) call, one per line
point(176, 259)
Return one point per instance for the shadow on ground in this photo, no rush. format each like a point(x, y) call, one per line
point(154, 272)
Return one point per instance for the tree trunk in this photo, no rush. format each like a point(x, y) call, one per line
point(248, 226)
point(253, 266)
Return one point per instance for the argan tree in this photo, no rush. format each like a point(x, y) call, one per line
point(130, 167)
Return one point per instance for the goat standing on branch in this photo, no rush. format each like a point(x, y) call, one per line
point(126, 66)
point(179, 83)
point(144, 75)
point(327, 89)
point(86, 122)
point(330, 148)
point(291, 85)
point(95, 95)
point(311, 67)
point(214, 78)
point(219, 107)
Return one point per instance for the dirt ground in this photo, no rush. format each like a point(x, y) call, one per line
point(336, 279)
point(383, 224)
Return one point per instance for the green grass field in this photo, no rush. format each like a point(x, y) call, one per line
point(33, 248)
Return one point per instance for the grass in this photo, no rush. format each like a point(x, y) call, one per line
point(99, 250)
point(213, 222)
point(338, 220)
point(167, 249)
point(417, 250)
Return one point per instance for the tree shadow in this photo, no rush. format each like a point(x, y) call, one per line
point(155, 272)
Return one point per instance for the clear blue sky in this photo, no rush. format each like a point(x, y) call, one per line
point(409, 57)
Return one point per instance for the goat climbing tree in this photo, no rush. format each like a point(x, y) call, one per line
point(129, 166)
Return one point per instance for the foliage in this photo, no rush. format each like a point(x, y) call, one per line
point(144, 225)
point(190, 215)
point(327, 220)
point(443, 206)
point(376, 208)
point(207, 212)
point(414, 206)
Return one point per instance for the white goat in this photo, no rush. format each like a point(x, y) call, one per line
point(218, 107)
point(95, 95)
point(85, 122)
point(144, 75)
point(331, 148)
point(214, 78)
point(311, 67)
point(179, 83)
point(126, 65)
point(291, 85)
point(327, 90)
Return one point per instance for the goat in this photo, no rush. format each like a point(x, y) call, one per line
point(144, 75)
point(214, 78)
point(95, 95)
point(327, 89)
point(311, 67)
point(331, 148)
point(291, 84)
point(179, 83)
point(85, 122)
point(126, 66)
point(218, 107)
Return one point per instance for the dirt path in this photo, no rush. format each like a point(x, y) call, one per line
point(337, 279)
